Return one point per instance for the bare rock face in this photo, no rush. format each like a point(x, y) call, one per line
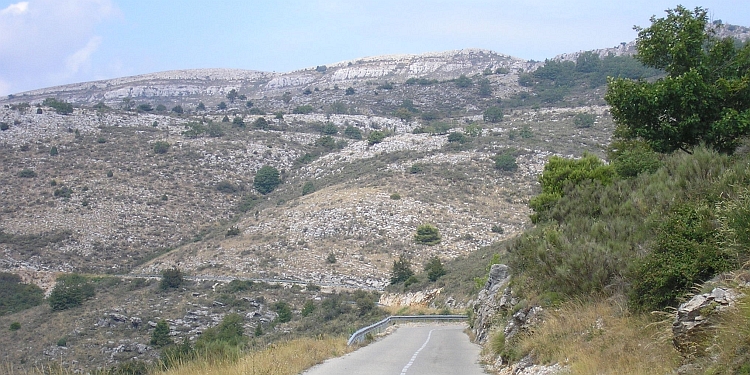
point(419, 298)
point(490, 301)
point(692, 317)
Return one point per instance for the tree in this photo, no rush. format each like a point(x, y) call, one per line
point(161, 147)
point(61, 107)
point(284, 310)
point(493, 114)
point(145, 107)
point(160, 335)
point(463, 81)
point(352, 132)
point(222, 106)
point(200, 107)
point(178, 109)
point(427, 234)
point(330, 129)
point(485, 88)
point(171, 278)
point(303, 109)
point(434, 268)
point(704, 97)
point(506, 161)
point(260, 123)
point(232, 95)
point(401, 270)
point(349, 91)
point(584, 120)
point(70, 291)
point(375, 136)
point(266, 179)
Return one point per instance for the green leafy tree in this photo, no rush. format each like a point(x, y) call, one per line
point(232, 95)
point(308, 188)
point(584, 120)
point(161, 147)
point(560, 173)
point(171, 278)
point(401, 270)
point(160, 335)
point(70, 291)
point(485, 88)
point(352, 132)
point(434, 268)
point(427, 234)
point(375, 137)
point(284, 310)
point(330, 129)
point(178, 109)
point(463, 81)
point(493, 114)
point(238, 122)
point(506, 161)
point(53, 151)
point(261, 123)
point(266, 179)
point(61, 107)
point(201, 107)
point(704, 97)
point(222, 106)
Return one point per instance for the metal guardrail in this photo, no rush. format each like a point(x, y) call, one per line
point(380, 326)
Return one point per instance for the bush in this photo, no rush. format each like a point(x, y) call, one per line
point(493, 114)
point(233, 231)
point(15, 326)
point(375, 137)
point(584, 120)
point(686, 253)
point(266, 179)
point(160, 336)
point(161, 147)
point(16, 296)
point(178, 109)
point(60, 107)
point(260, 123)
point(303, 109)
point(308, 308)
point(284, 310)
point(171, 278)
point(506, 161)
point(63, 192)
point(349, 91)
point(395, 196)
point(53, 151)
point(457, 137)
point(4, 126)
point(352, 132)
point(226, 187)
point(401, 270)
point(70, 291)
point(331, 258)
point(308, 188)
point(427, 234)
point(330, 129)
point(26, 173)
point(434, 268)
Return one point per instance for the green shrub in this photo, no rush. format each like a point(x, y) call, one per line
point(53, 151)
point(62, 342)
point(331, 258)
point(395, 196)
point(632, 158)
point(70, 291)
point(261, 123)
point(686, 253)
point(352, 132)
point(457, 137)
point(233, 231)
point(584, 120)
point(427, 234)
point(308, 308)
point(284, 310)
point(416, 168)
point(226, 187)
point(375, 137)
point(506, 161)
point(60, 106)
point(63, 192)
point(160, 335)
point(16, 296)
point(308, 188)
point(171, 278)
point(401, 270)
point(26, 173)
point(434, 268)
point(15, 326)
point(266, 179)
point(4, 126)
point(303, 109)
point(161, 147)
point(493, 114)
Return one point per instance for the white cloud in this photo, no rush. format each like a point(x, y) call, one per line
point(40, 40)
point(4, 87)
point(16, 9)
point(81, 57)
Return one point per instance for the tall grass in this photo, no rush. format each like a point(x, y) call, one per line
point(282, 358)
point(601, 337)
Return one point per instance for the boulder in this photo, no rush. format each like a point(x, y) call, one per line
point(693, 317)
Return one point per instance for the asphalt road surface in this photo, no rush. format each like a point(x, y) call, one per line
point(424, 349)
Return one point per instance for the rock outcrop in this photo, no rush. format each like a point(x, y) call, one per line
point(491, 300)
point(692, 317)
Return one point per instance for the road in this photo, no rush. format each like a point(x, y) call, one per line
point(424, 349)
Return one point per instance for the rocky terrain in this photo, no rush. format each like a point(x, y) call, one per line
point(88, 191)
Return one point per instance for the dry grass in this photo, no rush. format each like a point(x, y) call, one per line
point(285, 358)
point(603, 338)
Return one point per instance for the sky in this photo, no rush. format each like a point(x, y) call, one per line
point(46, 43)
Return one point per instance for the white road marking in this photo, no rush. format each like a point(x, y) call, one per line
point(411, 361)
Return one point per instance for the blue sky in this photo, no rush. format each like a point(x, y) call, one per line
point(52, 42)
